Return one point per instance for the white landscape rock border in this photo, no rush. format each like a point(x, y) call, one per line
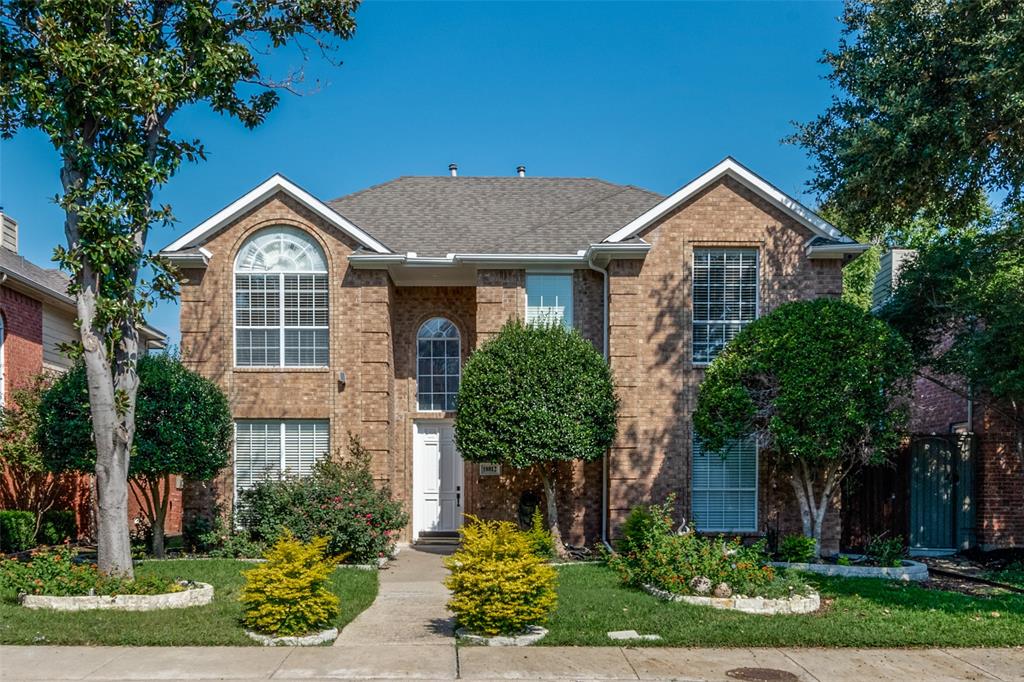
point(315, 639)
point(197, 595)
point(795, 604)
point(532, 635)
point(910, 570)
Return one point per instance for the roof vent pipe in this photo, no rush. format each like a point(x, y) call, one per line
point(453, 169)
point(521, 171)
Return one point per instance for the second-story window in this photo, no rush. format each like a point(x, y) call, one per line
point(549, 299)
point(281, 301)
point(724, 298)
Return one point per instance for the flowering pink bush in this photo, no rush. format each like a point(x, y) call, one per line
point(340, 501)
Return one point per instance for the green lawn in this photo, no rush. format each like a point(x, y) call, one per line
point(1011, 575)
point(858, 612)
point(214, 624)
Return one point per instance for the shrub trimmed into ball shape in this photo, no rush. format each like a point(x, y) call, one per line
point(290, 594)
point(535, 396)
point(183, 427)
point(500, 586)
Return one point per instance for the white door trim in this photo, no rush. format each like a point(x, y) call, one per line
point(435, 488)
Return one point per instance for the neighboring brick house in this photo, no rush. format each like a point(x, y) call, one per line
point(960, 482)
point(355, 315)
point(36, 317)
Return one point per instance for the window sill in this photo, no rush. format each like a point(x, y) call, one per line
point(282, 370)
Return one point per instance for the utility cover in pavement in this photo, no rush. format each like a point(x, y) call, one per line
point(760, 674)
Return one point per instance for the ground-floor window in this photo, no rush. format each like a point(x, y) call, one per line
point(724, 487)
point(273, 449)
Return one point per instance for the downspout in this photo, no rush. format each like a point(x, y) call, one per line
point(604, 461)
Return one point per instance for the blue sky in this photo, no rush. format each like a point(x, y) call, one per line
point(649, 94)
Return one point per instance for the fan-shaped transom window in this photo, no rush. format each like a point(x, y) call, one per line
point(281, 301)
point(280, 249)
point(438, 365)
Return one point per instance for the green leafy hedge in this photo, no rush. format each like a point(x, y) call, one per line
point(17, 530)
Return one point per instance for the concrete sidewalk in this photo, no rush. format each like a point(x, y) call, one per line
point(411, 661)
point(410, 607)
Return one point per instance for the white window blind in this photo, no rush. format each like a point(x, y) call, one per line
point(438, 365)
point(281, 308)
point(273, 449)
point(549, 299)
point(724, 298)
point(724, 488)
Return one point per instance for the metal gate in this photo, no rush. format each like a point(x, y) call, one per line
point(941, 493)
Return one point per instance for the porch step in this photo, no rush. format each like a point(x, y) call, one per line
point(437, 538)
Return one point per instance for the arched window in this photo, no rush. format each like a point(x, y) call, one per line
point(438, 365)
point(281, 295)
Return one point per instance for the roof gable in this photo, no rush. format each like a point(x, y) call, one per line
point(734, 169)
point(276, 183)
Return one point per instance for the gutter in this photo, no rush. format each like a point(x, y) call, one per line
point(582, 258)
point(604, 460)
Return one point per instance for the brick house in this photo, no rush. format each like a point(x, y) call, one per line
point(320, 318)
point(36, 317)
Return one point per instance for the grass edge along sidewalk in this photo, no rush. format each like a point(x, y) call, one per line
point(856, 612)
point(215, 624)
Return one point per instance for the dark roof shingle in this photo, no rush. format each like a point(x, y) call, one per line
point(434, 216)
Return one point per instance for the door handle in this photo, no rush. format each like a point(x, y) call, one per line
point(458, 496)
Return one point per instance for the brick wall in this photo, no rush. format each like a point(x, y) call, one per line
point(360, 345)
point(651, 336)
point(23, 338)
point(999, 464)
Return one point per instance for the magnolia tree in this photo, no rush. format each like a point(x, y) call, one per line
point(821, 384)
point(103, 80)
point(534, 397)
point(184, 428)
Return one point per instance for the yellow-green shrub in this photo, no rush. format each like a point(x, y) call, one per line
point(289, 594)
point(499, 584)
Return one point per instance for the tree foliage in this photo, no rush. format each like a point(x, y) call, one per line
point(929, 117)
point(822, 384)
point(26, 483)
point(102, 79)
point(960, 304)
point(534, 396)
point(185, 428)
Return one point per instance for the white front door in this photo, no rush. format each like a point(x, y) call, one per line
point(437, 478)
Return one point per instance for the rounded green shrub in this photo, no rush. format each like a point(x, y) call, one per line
point(17, 530)
point(500, 586)
point(797, 549)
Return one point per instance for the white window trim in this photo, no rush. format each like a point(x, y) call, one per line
point(234, 312)
point(281, 435)
point(416, 393)
point(756, 490)
point(693, 269)
point(564, 272)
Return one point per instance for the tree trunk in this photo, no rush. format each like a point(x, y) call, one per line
point(813, 508)
point(113, 385)
point(160, 502)
point(550, 495)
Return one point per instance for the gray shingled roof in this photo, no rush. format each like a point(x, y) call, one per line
point(434, 216)
point(51, 280)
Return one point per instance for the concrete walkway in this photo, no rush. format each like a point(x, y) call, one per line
point(410, 607)
point(368, 661)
